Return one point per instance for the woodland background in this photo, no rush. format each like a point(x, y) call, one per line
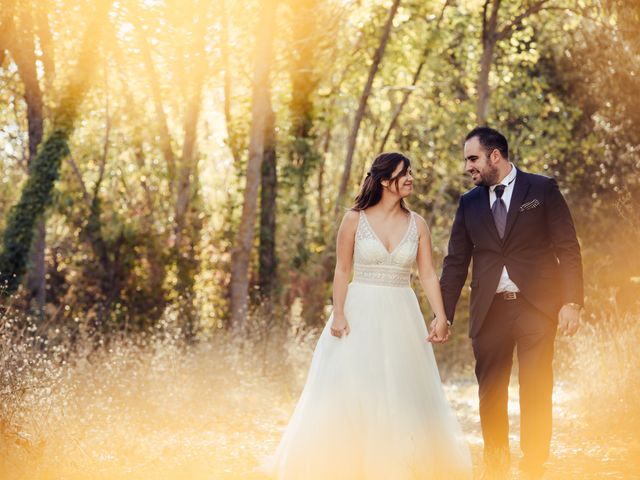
point(172, 174)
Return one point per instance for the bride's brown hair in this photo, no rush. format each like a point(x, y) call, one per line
point(381, 169)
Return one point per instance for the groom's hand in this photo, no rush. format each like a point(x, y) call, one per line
point(569, 319)
point(438, 337)
point(434, 338)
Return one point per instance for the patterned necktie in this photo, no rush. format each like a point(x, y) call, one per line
point(499, 210)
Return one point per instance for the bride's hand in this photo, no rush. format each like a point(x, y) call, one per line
point(339, 326)
point(440, 331)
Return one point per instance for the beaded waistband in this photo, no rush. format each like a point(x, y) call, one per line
point(386, 275)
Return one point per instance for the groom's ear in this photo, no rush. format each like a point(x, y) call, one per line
point(495, 155)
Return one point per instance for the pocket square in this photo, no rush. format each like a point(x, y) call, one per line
point(529, 205)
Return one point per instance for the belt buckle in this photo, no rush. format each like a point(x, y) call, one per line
point(509, 295)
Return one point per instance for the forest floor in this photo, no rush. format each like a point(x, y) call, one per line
point(203, 417)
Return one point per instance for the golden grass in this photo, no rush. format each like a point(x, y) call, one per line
point(159, 410)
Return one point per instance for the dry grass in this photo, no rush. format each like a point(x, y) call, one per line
point(144, 408)
point(154, 409)
point(599, 370)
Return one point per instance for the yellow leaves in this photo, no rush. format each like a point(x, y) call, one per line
point(317, 248)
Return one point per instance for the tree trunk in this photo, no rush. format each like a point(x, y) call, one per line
point(489, 38)
point(188, 161)
point(484, 91)
point(303, 156)
point(44, 170)
point(36, 284)
point(353, 134)
point(22, 48)
point(232, 139)
point(36, 278)
point(321, 165)
point(187, 231)
point(239, 286)
point(268, 262)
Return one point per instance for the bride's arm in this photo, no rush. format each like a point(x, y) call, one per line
point(428, 276)
point(344, 256)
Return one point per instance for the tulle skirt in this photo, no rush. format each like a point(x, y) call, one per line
point(373, 407)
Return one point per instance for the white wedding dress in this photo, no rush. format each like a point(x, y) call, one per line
point(373, 407)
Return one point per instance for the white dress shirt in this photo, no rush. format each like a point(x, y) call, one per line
point(505, 284)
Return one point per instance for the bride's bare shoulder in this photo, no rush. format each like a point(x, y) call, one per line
point(351, 216)
point(350, 219)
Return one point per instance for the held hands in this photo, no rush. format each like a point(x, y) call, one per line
point(339, 326)
point(569, 319)
point(440, 331)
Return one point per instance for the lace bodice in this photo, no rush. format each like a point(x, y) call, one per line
point(374, 264)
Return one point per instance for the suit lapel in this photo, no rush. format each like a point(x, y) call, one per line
point(520, 190)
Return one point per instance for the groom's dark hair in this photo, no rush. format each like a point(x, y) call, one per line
point(490, 139)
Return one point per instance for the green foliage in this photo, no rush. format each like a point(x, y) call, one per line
point(563, 89)
point(36, 197)
point(44, 170)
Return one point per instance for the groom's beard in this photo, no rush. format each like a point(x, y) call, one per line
point(489, 176)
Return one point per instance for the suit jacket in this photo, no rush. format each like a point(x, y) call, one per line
point(540, 250)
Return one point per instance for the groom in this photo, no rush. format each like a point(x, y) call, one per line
point(526, 283)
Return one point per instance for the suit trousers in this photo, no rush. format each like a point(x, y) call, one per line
point(515, 324)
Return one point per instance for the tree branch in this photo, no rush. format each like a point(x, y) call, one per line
point(105, 147)
point(156, 94)
point(83, 187)
point(362, 105)
point(407, 93)
point(516, 23)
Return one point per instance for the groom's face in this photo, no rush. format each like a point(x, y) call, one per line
point(479, 164)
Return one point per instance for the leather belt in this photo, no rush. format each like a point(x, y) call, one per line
point(508, 295)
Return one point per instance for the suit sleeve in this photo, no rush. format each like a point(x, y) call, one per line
point(456, 263)
point(565, 243)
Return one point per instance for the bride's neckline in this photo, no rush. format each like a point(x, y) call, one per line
point(404, 237)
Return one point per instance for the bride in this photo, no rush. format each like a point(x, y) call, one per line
point(373, 407)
